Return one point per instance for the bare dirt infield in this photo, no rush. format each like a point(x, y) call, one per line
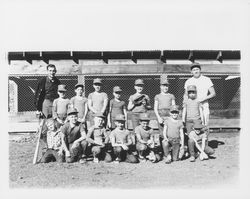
point(222, 170)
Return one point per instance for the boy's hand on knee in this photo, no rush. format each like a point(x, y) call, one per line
point(149, 142)
point(125, 147)
point(203, 156)
point(75, 144)
point(60, 151)
point(67, 153)
point(59, 120)
point(160, 120)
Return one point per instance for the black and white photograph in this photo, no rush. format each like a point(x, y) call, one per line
point(109, 98)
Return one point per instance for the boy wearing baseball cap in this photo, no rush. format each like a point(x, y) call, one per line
point(198, 141)
point(138, 103)
point(121, 141)
point(116, 107)
point(145, 140)
point(98, 139)
point(74, 138)
point(97, 101)
point(61, 105)
point(162, 104)
point(80, 103)
point(173, 137)
point(192, 109)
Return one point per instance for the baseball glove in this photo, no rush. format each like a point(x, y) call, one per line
point(139, 100)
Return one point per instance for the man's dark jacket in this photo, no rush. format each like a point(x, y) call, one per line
point(40, 92)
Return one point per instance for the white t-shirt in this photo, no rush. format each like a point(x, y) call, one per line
point(202, 84)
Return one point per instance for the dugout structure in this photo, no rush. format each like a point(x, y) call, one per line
point(121, 68)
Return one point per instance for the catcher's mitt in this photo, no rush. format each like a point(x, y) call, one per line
point(138, 100)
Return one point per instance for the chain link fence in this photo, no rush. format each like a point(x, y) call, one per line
point(226, 104)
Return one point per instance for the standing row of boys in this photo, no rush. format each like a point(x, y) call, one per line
point(68, 136)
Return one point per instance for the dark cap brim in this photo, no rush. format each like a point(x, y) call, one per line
point(72, 113)
point(174, 111)
point(76, 86)
point(145, 119)
point(195, 66)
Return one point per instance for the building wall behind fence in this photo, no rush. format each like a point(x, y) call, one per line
point(226, 104)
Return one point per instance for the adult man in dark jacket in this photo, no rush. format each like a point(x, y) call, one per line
point(46, 92)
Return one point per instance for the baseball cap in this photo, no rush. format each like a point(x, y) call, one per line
point(120, 117)
point(198, 125)
point(191, 88)
point(99, 114)
point(195, 65)
point(62, 87)
point(97, 81)
point(78, 85)
point(144, 117)
point(139, 82)
point(72, 111)
point(174, 108)
point(117, 89)
point(164, 81)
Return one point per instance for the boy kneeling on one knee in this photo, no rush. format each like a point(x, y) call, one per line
point(198, 140)
point(173, 136)
point(145, 140)
point(121, 141)
point(98, 139)
point(74, 138)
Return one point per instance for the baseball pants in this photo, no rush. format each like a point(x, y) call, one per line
point(51, 155)
point(164, 113)
point(123, 155)
point(192, 149)
point(77, 152)
point(173, 145)
point(101, 153)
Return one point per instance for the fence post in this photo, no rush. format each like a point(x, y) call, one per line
point(13, 97)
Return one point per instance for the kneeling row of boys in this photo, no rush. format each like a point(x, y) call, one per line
point(72, 142)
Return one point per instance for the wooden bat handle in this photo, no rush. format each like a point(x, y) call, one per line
point(38, 142)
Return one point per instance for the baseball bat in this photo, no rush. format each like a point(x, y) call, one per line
point(38, 141)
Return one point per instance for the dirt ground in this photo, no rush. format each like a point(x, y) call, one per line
point(222, 170)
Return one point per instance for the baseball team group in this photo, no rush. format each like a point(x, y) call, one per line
point(96, 128)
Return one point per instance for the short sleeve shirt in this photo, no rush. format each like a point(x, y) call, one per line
point(197, 137)
point(164, 100)
point(116, 107)
point(193, 109)
point(98, 99)
point(173, 127)
point(97, 134)
point(202, 84)
point(60, 107)
point(120, 136)
point(72, 134)
point(139, 108)
point(145, 134)
point(79, 104)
